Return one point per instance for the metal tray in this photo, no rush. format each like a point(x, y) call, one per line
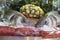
point(25, 38)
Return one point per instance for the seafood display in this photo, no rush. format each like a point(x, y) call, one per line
point(17, 24)
point(51, 19)
point(31, 11)
point(30, 20)
point(28, 31)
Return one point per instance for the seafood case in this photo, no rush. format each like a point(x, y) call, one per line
point(29, 20)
